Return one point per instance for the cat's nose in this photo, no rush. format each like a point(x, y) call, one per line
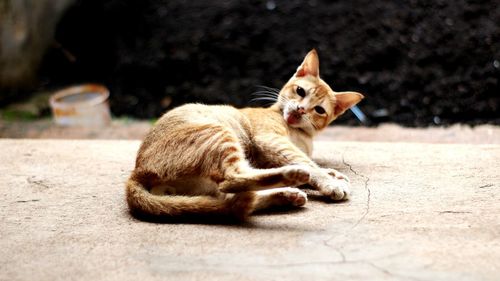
point(301, 109)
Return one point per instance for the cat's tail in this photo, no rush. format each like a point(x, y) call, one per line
point(144, 204)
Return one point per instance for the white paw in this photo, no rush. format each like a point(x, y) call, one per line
point(293, 196)
point(339, 189)
point(336, 174)
point(296, 175)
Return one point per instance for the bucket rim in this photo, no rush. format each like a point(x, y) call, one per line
point(79, 89)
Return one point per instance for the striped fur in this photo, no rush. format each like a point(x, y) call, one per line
point(223, 161)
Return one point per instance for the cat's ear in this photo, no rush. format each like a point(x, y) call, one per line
point(346, 100)
point(310, 65)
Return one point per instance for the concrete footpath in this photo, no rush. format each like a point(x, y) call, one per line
point(418, 212)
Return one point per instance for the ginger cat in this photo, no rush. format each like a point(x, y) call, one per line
point(219, 160)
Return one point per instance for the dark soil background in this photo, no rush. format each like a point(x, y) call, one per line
point(417, 62)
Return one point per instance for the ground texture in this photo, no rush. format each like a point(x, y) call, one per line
point(419, 212)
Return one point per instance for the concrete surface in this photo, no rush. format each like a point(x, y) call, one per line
point(136, 129)
point(419, 212)
point(482, 134)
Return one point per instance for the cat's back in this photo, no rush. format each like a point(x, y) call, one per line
point(195, 113)
point(189, 130)
point(189, 119)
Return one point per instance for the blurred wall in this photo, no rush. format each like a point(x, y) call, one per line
point(26, 30)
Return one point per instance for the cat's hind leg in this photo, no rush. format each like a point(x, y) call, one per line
point(279, 197)
point(260, 179)
point(237, 175)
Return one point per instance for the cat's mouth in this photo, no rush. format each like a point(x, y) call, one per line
point(293, 118)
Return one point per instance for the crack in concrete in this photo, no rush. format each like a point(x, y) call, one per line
point(206, 263)
point(368, 191)
point(290, 264)
point(387, 272)
point(367, 210)
point(39, 183)
point(338, 250)
point(455, 212)
point(342, 255)
point(26, 201)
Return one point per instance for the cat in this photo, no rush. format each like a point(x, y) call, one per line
point(216, 160)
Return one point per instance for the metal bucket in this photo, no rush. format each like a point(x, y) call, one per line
point(84, 105)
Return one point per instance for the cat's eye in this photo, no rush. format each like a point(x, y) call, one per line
point(300, 91)
point(319, 109)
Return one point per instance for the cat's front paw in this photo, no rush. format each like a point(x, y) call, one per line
point(338, 189)
point(296, 175)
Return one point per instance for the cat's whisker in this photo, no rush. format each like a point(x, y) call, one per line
point(271, 100)
point(267, 91)
point(312, 124)
point(308, 119)
point(264, 98)
point(269, 88)
point(264, 93)
point(283, 99)
point(266, 87)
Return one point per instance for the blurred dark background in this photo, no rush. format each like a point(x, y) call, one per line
point(418, 63)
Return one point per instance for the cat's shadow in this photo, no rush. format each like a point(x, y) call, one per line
point(273, 211)
point(216, 220)
point(232, 222)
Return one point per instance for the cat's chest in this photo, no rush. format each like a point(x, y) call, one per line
point(303, 142)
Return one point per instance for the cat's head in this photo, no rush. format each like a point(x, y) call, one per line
point(308, 103)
